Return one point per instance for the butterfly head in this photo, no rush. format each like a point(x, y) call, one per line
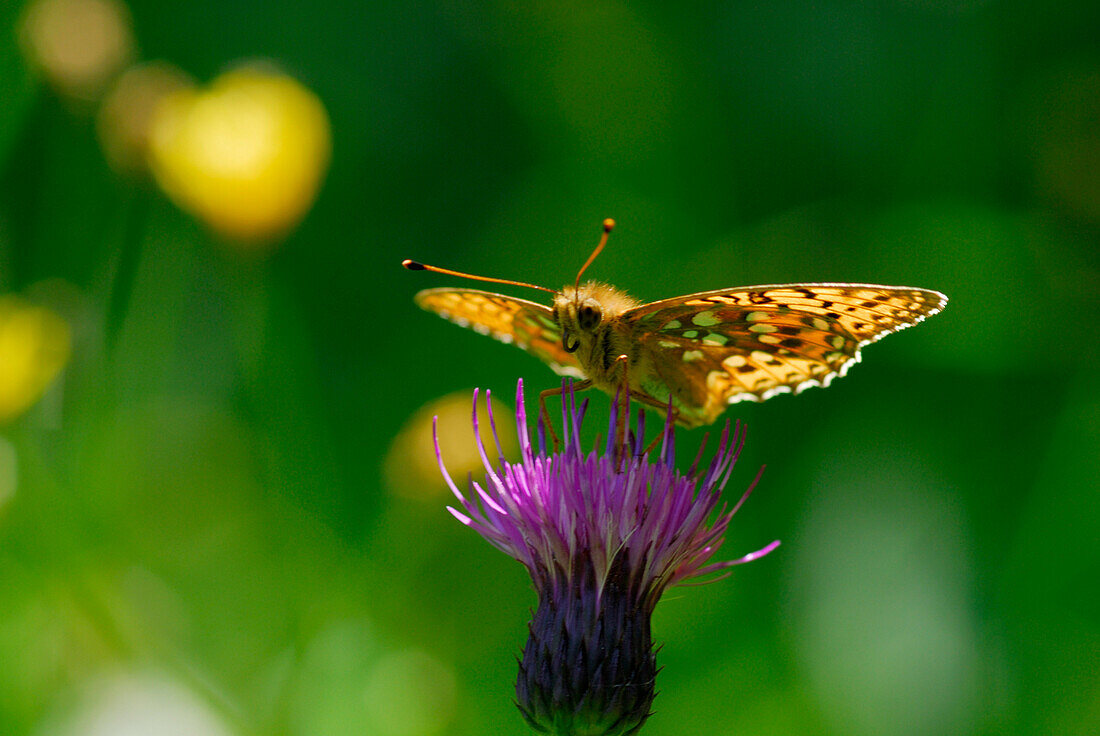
point(584, 312)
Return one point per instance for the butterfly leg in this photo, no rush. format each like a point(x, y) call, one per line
point(545, 413)
point(625, 394)
point(622, 398)
point(643, 398)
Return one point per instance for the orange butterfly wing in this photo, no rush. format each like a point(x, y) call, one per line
point(715, 348)
point(527, 325)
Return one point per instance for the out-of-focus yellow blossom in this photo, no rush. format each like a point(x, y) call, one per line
point(34, 347)
point(246, 155)
point(411, 468)
point(126, 113)
point(78, 44)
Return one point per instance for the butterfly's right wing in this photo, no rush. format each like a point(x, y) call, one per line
point(753, 342)
point(525, 324)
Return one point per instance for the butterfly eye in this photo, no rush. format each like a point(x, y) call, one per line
point(588, 316)
point(569, 348)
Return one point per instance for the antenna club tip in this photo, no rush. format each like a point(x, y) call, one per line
point(608, 224)
point(413, 265)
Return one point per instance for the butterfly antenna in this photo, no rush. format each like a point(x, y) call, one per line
point(607, 225)
point(417, 266)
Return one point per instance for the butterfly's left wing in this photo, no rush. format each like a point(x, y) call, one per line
point(715, 348)
point(526, 324)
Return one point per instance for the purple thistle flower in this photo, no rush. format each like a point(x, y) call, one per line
point(603, 536)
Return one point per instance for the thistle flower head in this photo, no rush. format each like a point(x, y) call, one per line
point(603, 535)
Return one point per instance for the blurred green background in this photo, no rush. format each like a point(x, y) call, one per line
point(208, 528)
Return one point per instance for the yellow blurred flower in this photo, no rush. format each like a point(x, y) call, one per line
point(126, 114)
point(411, 468)
point(247, 155)
point(78, 44)
point(34, 347)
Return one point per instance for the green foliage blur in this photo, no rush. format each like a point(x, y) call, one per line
point(208, 526)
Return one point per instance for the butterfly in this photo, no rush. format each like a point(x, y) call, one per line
point(698, 352)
